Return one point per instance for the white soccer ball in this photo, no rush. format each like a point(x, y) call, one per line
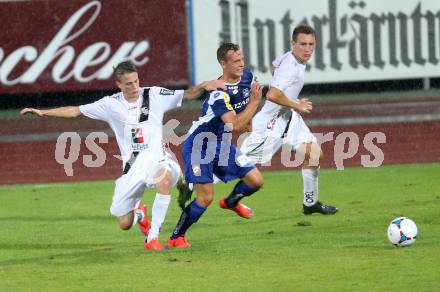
point(402, 231)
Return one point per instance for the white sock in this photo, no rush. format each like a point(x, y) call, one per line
point(138, 216)
point(310, 182)
point(158, 212)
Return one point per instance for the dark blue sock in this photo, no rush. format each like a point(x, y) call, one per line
point(189, 216)
point(240, 191)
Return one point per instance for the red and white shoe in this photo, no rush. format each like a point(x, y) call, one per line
point(178, 242)
point(241, 209)
point(144, 225)
point(153, 245)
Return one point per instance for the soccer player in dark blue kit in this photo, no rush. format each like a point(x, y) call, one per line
point(208, 149)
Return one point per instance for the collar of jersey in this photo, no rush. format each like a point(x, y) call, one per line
point(227, 83)
point(296, 60)
point(137, 103)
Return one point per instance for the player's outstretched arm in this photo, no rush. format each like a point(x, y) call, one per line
point(302, 105)
point(60, 112)
point(195, 91)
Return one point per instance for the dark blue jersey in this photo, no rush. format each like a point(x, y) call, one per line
point(217, 104)
point(240, 92)
point(238, 96)
point(207, 149)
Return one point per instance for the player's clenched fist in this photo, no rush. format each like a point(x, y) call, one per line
point(31, 111)
point(257, 91)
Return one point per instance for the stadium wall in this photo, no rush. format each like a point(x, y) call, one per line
point(356, 40)
point(68, 46)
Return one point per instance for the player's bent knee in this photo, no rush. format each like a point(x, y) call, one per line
point(124, 226)
point(125, 223)
point(164, 186)
point(313, 154)
point(204, 200)
point(254, 179)
point(258, 182)
point(205, 194)
point(207, 200)
point(164, 182)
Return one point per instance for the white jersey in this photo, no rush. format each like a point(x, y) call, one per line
point(289, 78)
point(123, 119)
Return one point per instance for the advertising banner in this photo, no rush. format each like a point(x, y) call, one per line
point(356, 40)
point(57, 46)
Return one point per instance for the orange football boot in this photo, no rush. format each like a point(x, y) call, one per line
point(178, 242)
point(241, 209)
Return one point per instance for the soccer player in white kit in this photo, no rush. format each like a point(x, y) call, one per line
point(135, 114)
point(279, 121)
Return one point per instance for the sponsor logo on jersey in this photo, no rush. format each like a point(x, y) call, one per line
point(165, 91)
point(137, 140)
point(137, 135)
point(246, 92)
point(234, 89)
point(144, 110)
point(241, 103)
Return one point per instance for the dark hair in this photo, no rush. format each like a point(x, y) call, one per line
point(302, 28)
point(222, 51)
point(124, 68)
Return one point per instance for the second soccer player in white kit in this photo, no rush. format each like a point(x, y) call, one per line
point(279, 121)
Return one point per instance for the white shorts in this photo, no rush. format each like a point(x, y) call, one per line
point(129, 188)
point(260, 148)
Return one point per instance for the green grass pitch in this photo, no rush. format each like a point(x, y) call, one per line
point(60, 237)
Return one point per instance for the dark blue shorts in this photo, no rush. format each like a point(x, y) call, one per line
point(201, 163)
